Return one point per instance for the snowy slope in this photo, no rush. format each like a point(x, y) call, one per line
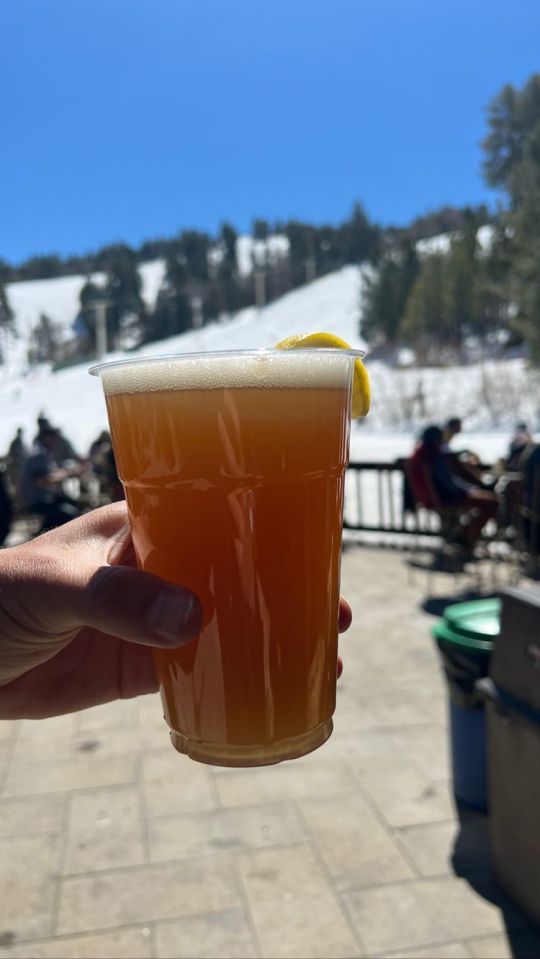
point(59, 299)
point(72, 399)
point(490, 397)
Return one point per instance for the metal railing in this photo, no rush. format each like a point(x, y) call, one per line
point(376, 502)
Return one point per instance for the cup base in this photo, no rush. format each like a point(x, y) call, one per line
point(252, 755)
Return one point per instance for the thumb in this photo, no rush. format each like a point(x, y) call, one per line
point(139, 607)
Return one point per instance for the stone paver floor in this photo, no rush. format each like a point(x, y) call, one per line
point(111, 844)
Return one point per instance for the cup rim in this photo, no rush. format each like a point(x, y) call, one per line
point(98, 368)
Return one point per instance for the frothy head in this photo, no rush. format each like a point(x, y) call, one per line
point(279, 369)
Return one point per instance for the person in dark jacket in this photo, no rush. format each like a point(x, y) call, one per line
point(6, 509)
point(17, 448)
point(41, 489)
point(432, 468)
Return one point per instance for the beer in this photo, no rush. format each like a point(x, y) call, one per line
point(233, 467)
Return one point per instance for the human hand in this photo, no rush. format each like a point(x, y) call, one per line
point(78, 621)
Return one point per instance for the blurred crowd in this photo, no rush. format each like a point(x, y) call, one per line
point(468, 494)
point(49, 480)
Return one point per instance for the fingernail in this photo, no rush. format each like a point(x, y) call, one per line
point(170, 614)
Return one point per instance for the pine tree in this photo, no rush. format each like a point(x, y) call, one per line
point(424, 322)
point(7, 273)
point(172, 313)
point(85, 323)
point(6, 313)
point(40, 267)
point(493, 284)
point(228, 237)
point(260, 229)
point(386, 293)
point(381, 312)
point(512, 118)
point(327, 252)
point(358, 238)
point(227, 294)
point(302, 250)
point(525, 221)
point(194, 247)
point(512, 163)
point(123, 290)
point(44, 341)
point(459, 314)
point(212, 305)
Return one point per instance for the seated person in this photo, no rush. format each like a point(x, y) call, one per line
point(99, 447)
point(40, 482)
point(466, 463)
point(512, 471)
point(451, 429)
point(436, 484)
point(16, 456)
point(521, 445)
point(6, 509)
point(531, 499)
point(17, 448)
point(66, 451)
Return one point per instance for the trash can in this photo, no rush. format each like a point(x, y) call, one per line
point(513, 749)
point(465, 638)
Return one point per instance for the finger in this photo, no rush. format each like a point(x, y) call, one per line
point(104, 531)
point(339, 666)
point(123, 551)
point(345, 615)
point(139, 607)
point(109, 529)
point(115, 599)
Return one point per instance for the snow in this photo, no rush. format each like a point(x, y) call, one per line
point(59, 300)
point(73, 400)
point(250, 251)
point(443, 242)
point(435, 244)
point(152, 276)
point(486, 396)
point(484, 237)
point(489, 397)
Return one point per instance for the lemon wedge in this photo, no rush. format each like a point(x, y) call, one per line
point(361, 393)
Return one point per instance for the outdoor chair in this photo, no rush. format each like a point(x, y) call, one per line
point(425, 499)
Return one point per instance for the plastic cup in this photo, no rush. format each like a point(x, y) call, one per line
point(233, 465)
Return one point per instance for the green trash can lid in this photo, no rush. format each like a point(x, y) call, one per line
point(472, 625)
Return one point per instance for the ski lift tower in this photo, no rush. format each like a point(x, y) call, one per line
point(100, 303)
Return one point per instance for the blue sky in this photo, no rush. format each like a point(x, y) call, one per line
point(128, 119)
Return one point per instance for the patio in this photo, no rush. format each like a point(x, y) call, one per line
point(113, 845)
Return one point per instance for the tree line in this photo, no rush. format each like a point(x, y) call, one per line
point(328, 246)
point(202, 280)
